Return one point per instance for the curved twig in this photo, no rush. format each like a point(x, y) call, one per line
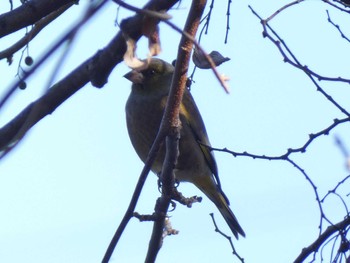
point(281, 45)
point(283, 8)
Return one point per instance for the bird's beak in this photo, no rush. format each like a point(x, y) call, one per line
point(134, 76)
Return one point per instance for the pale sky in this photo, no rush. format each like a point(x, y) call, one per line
point(65, 188)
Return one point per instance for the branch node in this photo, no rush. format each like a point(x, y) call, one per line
point(187, 201)
point(143, 218)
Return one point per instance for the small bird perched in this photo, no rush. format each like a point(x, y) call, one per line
point(196, 163)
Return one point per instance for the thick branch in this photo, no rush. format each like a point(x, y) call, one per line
point(38, 26)
point(27, 14)
point(95, 69)
point(45, 105)
point(315, 246)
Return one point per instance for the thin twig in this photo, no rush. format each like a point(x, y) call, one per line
point(286, 157)
point(283, 8)
point(337, 27)
point(207, 57)
point(336, 6)
point(206, 18)
point(281, 45)
point(335, 188)
point(318, 200)
point(289, 151)
point(229, 2)
point(205, 30)
point(162, 204)
point(234, 251)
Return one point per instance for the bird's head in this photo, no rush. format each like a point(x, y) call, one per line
point(155, 77)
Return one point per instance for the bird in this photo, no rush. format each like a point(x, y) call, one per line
point(196, 162)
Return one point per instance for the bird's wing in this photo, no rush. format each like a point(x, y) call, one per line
point(193, 118)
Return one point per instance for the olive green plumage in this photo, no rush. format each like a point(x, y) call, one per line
point(196, 163)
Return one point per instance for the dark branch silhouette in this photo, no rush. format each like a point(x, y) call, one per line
point(315, 246)
point(95, 69)
point(290, 58)
point(28, 14)
point(38, 26)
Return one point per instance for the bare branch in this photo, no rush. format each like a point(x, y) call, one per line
point(17, 128)
point(338, 7)
point(337, 27)
point(162, 204)
point(286, 155)
point(335, 188)
point(234, 252)
point(282, 46)
point(229, 2)
point(209, 59)
point(283, 8)
point(315, 246)
point(95, 69)
point(28, 14)
point(38, 26)
point(170, 124)
point(314, 188)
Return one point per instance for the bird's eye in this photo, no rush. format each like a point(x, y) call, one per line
point(149, 72)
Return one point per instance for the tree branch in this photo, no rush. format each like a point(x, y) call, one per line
point(162, 204)
point(281, 45)
point(45, 105)
point(28, 118)
point(165, 19)
point(95, 69)
point(170, 124)
point(27, 14)
point(38, 26)
point(315, 246)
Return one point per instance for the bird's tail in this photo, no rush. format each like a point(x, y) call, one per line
point(220, 200)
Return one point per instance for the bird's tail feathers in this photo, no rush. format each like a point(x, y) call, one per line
point(229, 217)
point(221, 202)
